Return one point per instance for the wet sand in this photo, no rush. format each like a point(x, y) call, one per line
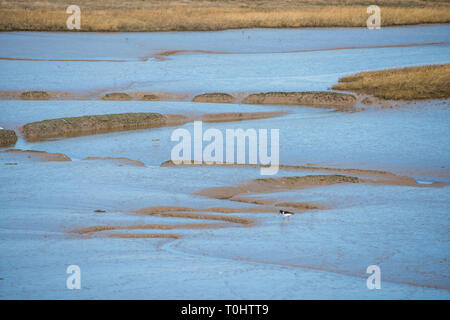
point(244, 193)
point(38, 155)
point(121, 161)
point(59, 60)
point(163, 55)
point(143, 236)
point(94, 229)
point(270, 185)
point(365, 172)
point(173, 212)
point(188, 215)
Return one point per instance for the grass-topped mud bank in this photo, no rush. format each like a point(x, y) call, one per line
point(85, 125)
point(323, 99)
point(215, 97)
point(8, 138)
point(414, 83)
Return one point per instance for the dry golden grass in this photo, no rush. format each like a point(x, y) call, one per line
point(265, 4)
point(215, 15)
point(427, 82)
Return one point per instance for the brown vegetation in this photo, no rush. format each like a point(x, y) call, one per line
point(201, 15)
point(414, 83)
point(7, 138)
point(150, 97)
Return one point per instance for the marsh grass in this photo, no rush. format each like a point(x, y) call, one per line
point(414, 83)
point(214, 15)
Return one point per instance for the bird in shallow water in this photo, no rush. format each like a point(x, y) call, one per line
point(285, 213)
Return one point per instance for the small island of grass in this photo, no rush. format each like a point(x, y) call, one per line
point(414, 83)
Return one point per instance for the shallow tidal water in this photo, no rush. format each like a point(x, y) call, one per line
point(316, 254)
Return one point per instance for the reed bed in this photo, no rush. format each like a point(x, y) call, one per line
point(183, 18)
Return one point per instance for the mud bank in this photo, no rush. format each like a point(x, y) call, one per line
point(378, 173)
point(304, 206)
point(94, 229)
point(143, 236)
point(38, 95)
point(39, 155)
point(321, 99)
point(150, 97)
point(117, 96)
point(85, 125)
point(270, 185)
point(163, 55)
point(157, 210)
point(339, 101)
point(173, 212)
point(239, 116)
point(188, 215)
point(215, 97)
point(8, 138)
point(35, 95)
